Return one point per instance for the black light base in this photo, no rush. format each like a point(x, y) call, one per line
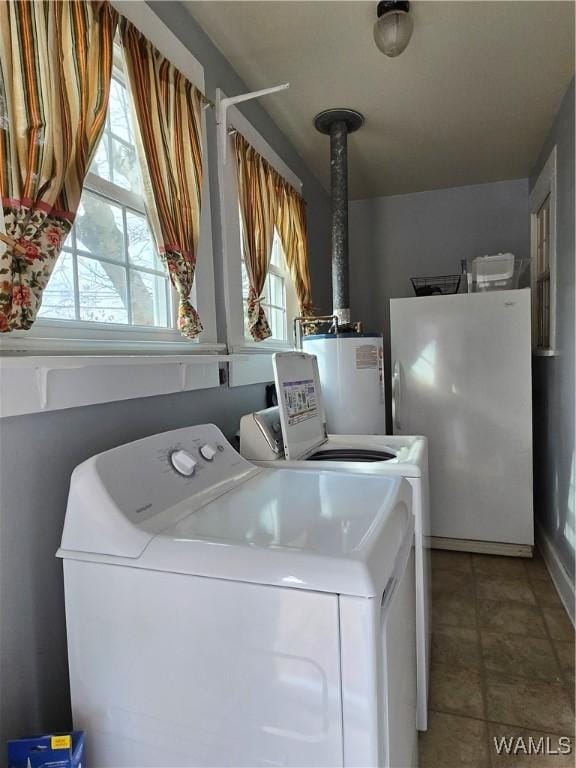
point(384, 6)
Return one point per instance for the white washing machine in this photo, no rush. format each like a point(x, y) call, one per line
point(223, 614)
point(293, 435)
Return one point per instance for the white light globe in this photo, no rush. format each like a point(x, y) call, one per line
point(392, 32)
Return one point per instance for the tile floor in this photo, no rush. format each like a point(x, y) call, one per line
point(502, 662)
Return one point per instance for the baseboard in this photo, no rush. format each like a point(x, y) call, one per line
point(562, 581)
point(481, 547)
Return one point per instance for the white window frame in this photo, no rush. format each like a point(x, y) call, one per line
point(545, 186)
point(231, 241)
point(283, 275)
point(51, 336)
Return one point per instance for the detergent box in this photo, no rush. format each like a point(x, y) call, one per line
point(62, 750)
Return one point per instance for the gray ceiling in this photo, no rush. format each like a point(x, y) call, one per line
point(469, 101)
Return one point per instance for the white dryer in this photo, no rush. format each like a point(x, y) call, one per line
point(293, 435)
point(223, 614)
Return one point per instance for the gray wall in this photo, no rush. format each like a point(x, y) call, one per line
point(38, 452)
point(37, 456)
point(427, 233)
point(553, 377)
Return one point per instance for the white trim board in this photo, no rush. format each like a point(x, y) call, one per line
point(250, 369)
point(560, 578)
point(481, 547)
point(52, 383)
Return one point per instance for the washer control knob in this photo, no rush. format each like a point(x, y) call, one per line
point(183, 463)
point(208, 452)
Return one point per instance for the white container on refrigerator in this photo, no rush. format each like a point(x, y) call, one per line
point(223, 614)
point(352, 377)
point(462, 376)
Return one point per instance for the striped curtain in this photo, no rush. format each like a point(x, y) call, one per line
point(257, 186)
point(168, 112)
point(55, 72)
point(291, 226)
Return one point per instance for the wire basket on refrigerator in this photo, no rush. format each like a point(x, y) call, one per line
point(436, 286)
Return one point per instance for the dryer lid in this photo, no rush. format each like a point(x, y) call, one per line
point(294, 529)
point(300, 403)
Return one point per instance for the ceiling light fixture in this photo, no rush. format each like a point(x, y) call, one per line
point(393, 29)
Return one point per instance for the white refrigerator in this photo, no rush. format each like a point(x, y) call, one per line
point(461, 375)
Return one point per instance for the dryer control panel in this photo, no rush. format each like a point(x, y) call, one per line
point(120, 498)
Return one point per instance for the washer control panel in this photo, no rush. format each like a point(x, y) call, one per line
point(208, 452)
point(183, 462)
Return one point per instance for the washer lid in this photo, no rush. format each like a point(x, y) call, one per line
point(294, 528)
point(300, 403)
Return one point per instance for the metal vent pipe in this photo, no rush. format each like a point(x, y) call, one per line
point(338, 123)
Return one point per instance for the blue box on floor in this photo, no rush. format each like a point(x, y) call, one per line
point(62, 750)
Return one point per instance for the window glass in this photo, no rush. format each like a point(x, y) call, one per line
point(109, 270)
point(59, 295)
point(273, 297)
point(103, 292)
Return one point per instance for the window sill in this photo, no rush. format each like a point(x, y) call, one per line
point(33, 383)
point(96, 345)
point(262, 348)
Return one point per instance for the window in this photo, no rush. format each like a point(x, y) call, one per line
point(109, 291)
point(109, 271)
point(543, 249)
point(116, 327)
point(279, 299)
point(542, 276)
point(277, 290)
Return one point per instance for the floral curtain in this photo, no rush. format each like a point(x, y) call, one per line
point(291, 226)
point(168, 112)
point(257, 185)
point(55, 73)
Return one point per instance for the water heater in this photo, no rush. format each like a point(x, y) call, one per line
point(351, 367)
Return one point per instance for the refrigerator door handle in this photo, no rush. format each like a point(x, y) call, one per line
point(396, 397)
